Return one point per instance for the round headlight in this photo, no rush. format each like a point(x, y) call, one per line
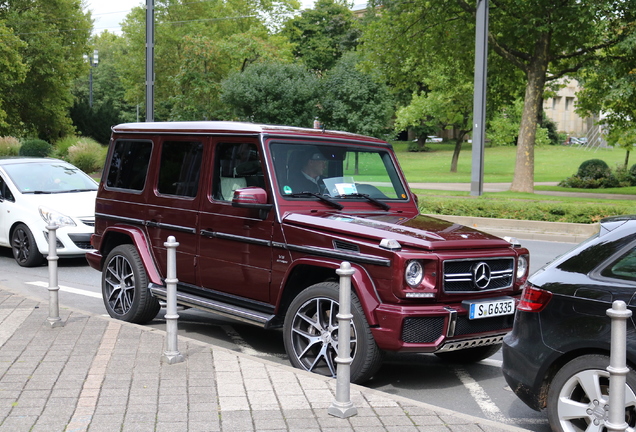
point(414, 273)
point(522, 266)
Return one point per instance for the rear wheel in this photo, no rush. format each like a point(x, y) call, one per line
point(311, 334)
point(578, 398)
point(125, 287)
point(469, 355)
point(25, 250)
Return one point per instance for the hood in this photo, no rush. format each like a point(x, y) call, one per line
point(419, 231)
point(75, 204)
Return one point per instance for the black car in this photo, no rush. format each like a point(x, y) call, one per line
point(556, 356)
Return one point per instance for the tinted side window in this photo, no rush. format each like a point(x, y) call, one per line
point(622, 268)
point(179, 168)
point(129, 165)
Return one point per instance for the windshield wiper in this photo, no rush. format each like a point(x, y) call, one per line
point(322, 198)
point(381, 204)
point(79, 190)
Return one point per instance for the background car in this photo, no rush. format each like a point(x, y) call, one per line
point(35, 192)
point(556, 356)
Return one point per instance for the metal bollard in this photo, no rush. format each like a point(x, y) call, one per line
point(618, 367)
point(342, 406)
point(171, 355)
point(54, 319)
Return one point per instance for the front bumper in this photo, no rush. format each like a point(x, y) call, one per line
point(435, 328)
point(71, 241)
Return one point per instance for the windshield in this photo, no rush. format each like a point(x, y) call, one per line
point(49, 177)
point(336, 171)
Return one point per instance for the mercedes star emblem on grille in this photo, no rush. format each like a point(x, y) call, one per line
point(481, 275)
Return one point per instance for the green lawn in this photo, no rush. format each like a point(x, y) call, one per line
point(552, 163)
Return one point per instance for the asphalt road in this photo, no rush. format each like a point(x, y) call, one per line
point(477, 389)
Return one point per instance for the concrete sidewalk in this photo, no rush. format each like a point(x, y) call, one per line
point(100, 375)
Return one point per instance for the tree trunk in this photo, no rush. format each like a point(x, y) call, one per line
point(523, 180)
point(421, 143)
point(458, 148)
point(626, 158)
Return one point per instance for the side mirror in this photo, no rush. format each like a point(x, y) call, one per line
point(252, 198)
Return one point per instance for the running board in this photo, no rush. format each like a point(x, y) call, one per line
point(228, 310)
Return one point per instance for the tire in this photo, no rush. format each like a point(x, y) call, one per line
point(575, 407)
point(125, 287)
point(310, 334)
point(469, 355)
point(25, 250)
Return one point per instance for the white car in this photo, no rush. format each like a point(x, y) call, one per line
point(38, 192)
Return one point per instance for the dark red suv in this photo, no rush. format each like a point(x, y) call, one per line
point(264, 216)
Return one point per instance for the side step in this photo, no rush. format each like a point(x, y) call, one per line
point(231, 311)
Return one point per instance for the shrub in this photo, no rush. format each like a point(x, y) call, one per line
point(414, 146)
point(594, 168)
point(521, 210)
point(632, 175)
point(625, 177)
point(87, 154)
point(61, 147)
point(36, 148)
point(9, 146)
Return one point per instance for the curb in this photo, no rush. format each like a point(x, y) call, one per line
point(527, 229)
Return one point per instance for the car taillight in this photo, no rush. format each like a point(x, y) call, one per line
point(534, 299)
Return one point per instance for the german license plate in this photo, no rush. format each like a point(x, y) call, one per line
point(491, 308)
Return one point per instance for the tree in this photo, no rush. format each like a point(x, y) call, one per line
point(323, 34)
point(547, 41)
point(55, 35)
point(354, 101)
point(447, 103)
point(429, 66)
point(12, 71)
point(109, 104)
point(542, 39)
point(609, 87)
point(197, 44)
point(277, 93)
point(207, 62)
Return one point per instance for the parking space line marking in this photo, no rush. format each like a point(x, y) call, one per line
point(68, 289)
point(491, 362)
point(478, 393)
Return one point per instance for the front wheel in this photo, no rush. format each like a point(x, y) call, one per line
point(578, 397)
point(311, 334)
point(125, 287)
point(25, 250)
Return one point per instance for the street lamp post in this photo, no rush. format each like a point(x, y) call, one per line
point(92, 63)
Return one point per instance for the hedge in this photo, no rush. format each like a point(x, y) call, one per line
point(576, 212)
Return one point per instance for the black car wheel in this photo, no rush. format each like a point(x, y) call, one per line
point(125, 287)
point(311, 334)
point(469, 355)
point(25, 250)
point(578, 398)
